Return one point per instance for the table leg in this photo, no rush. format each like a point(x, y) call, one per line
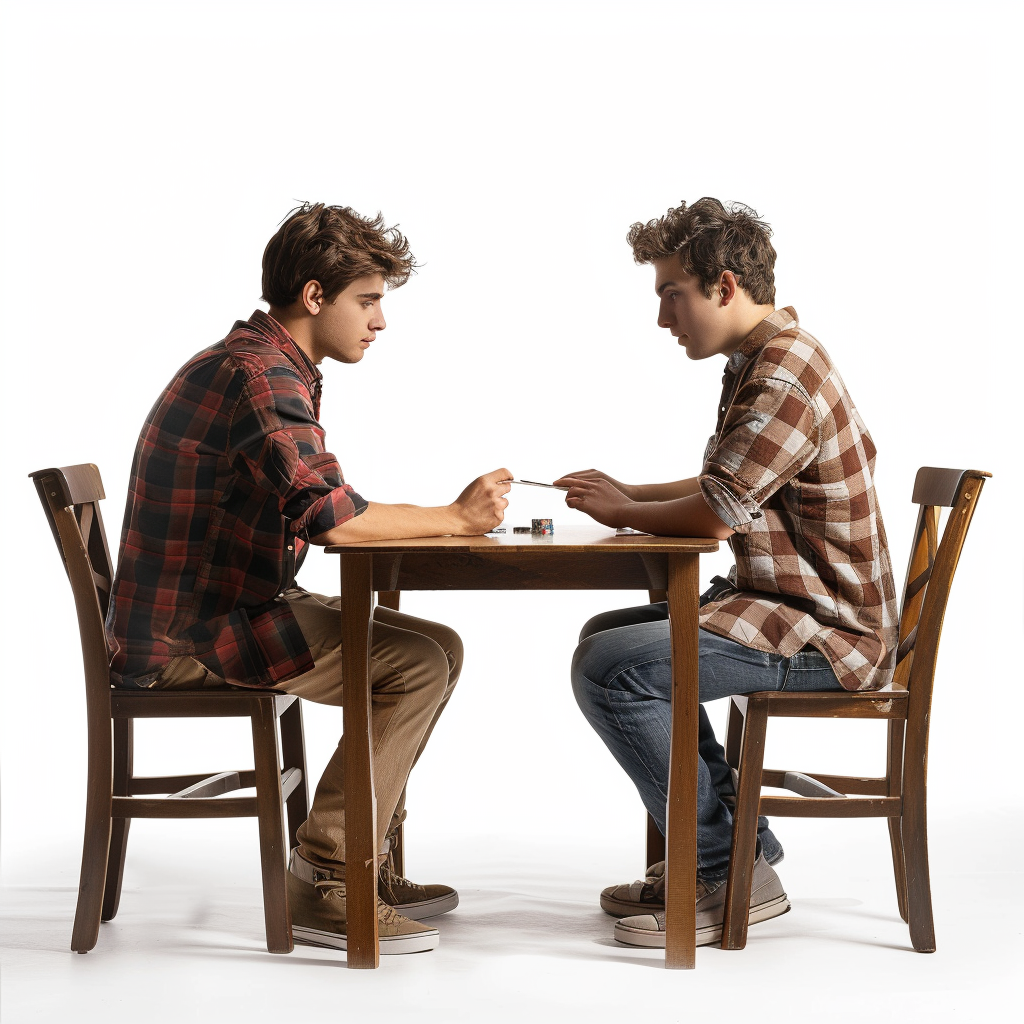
point(360, 801)
point(681, 841)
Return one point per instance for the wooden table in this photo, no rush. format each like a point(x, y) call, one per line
point(580, 558)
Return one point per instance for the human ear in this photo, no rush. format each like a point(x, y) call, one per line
point(312, 297)
point(727, 287)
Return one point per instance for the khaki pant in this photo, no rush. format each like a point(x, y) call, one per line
point(414, 666)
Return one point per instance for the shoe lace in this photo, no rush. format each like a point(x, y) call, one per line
point(705, 887)
point(388, 875)
point(330, 888)
point(388, 915)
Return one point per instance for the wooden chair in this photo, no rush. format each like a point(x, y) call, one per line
point(115, 795)
point(899, 795)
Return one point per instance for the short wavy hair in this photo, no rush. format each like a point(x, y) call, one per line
point(710, 238)
point(334, 246)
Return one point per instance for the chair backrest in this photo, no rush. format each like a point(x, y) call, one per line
point(70, 498)
point(930, 574)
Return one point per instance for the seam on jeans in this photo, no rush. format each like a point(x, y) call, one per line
point(613, 706)
point(621, 732)
point(639, 664)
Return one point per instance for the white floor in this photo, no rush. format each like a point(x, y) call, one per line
point(527, 943)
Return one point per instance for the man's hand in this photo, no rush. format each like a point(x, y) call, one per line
point(599, 497)
point(481, 506)
point(629, 490)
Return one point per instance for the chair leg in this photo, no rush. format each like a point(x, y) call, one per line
point(270, 812)
point(914, 831)
point(744, 827)
point(899, 866)
point(894, 776)
point(655, 844)
point(293, 750)
point(123, 757)
point(734, 732)
point(96, 844)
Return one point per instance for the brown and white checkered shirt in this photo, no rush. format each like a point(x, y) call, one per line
point(789, 468)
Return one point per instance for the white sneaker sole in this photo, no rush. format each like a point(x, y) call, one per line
point(617, 908)
point(651, 939)
point(428, 908)
point(419, 942)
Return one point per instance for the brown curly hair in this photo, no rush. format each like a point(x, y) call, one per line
point(333, 245)
point(710, 238)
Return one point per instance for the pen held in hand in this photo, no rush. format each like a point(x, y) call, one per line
point(535, 483)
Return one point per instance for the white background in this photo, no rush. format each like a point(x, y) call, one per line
point(151, 151)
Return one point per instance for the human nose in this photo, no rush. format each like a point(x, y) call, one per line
point(377, 321)
point(665, 318)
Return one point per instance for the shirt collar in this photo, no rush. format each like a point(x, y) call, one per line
point(775, 323)
point(271, 331)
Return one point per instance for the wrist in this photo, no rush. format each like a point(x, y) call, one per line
point(453, 520)
point(634, 515)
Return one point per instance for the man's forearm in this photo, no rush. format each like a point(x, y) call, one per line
point(393, 522)
point(689, 516)
point(665, 492)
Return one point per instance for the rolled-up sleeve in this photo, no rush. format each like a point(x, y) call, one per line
point(277, 440)
point(770, 433)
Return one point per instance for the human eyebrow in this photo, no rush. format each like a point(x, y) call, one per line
point(370, 295)
point(662, 287)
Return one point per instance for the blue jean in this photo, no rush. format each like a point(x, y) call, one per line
point(622, 679)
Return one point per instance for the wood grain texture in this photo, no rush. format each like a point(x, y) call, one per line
point(681, 840)
point(360, 799)
point(270, 812)
point(566, 539)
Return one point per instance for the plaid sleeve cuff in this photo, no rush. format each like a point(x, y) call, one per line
point(736, 508)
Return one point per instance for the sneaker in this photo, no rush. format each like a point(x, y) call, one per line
point(317, 905)
point(411, 899)
point(767, 900)
point(646, 895)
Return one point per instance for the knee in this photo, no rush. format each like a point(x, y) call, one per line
point(419, 667)
point(599, 623)
point(589, 680)
point(451, 643)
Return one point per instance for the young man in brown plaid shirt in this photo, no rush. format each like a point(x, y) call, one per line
point(787, 479)
point(232, 481)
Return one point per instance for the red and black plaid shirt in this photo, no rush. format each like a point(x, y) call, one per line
point(229, 479)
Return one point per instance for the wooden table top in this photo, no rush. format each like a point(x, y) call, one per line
point(566, 539)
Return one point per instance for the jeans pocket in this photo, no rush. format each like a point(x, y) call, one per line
point(808, 670)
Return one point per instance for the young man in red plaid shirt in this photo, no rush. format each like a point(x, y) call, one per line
point(787, 479)
point(231, 481)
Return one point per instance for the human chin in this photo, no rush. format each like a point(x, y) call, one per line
point(349, 354)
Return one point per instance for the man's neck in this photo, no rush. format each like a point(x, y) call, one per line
point(299, 327)
point(748, 317)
